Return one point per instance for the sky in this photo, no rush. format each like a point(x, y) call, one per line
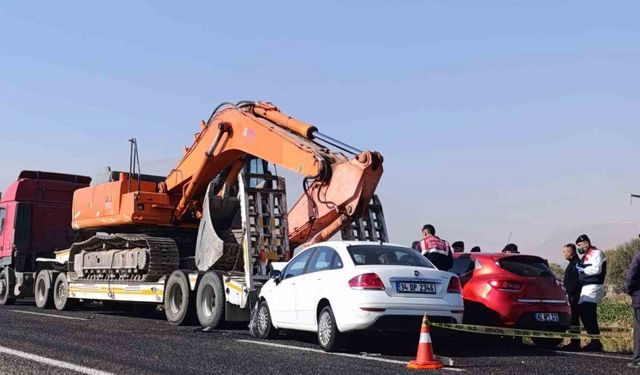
point(497, 120)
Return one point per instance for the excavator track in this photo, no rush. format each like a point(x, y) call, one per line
point(163, 255)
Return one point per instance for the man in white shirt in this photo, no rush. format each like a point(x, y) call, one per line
point(592, 271)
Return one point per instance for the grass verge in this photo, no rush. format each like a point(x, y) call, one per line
point(615, 312)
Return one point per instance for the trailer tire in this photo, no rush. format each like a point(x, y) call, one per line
point(178, 299)
point(43, 292)
point(61, 293)
point(6, 288)
point(210, 300)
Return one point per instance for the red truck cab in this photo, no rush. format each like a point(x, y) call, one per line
point(35, 221)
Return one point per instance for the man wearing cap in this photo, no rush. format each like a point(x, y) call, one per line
point(592, 270)
point(475, 249)
point(435, 249)
point(458, 247)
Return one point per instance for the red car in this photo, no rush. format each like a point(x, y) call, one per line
point(512, 290)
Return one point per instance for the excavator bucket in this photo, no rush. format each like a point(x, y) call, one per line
point(216, 243)
point(261, 205)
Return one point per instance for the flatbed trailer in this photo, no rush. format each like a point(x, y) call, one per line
point(260, 227)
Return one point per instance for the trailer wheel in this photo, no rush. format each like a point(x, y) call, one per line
point(43, 291)
point(210, 300)
point(61, 293)
point(6, 297)
point(178, 300)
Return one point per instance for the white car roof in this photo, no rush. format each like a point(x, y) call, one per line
point(355, 243)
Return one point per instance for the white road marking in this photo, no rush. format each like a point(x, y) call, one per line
point(592, 355)
point(51, 315)
point(337, 354)
point(53, 362)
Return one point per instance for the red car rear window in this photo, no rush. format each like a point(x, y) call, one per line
point(527, 266)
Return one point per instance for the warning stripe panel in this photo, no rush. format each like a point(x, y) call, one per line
point(127, 293)
point(235, 287)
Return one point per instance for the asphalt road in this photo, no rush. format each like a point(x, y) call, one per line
point(100, 342)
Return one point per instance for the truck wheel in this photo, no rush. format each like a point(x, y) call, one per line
point(178, 301)
point(43, 291)
point(329, 337)
point(210, 300)
point(61, 293)
point(264, 325)
point(5, 288)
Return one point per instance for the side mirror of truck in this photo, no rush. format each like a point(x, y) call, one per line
point(276, 275)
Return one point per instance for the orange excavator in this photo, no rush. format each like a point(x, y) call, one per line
point(203, 238)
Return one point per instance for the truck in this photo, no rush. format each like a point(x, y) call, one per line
point(201, 241)
point(35, 221)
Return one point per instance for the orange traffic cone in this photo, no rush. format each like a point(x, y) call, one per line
point(424, 358)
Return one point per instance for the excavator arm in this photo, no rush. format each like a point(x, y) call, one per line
point(337, 188)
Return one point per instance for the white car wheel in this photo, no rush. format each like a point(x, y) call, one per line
point(264, 326)
point(328, 334)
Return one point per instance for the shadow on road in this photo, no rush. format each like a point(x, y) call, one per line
point(446, 343)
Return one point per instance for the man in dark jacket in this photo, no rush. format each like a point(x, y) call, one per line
point(572, 286)
point(633, 289)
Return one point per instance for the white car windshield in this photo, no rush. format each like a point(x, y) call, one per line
point(365, 255)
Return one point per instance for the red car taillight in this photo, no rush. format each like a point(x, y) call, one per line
point(506, 285)
point(454, 285)
point(369, 281)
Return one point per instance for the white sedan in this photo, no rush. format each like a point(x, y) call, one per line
point(333, 288)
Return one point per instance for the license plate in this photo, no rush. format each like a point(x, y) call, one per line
point(548, 317)
point(411, 287)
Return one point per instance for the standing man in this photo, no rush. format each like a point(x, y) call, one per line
point(435, 249)
point(572, 287)
point(633, 289)
point(458, 247)
point(592, 271)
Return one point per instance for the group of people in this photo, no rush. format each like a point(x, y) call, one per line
point(583, 278)
point(439, 252)
point(584, 284)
